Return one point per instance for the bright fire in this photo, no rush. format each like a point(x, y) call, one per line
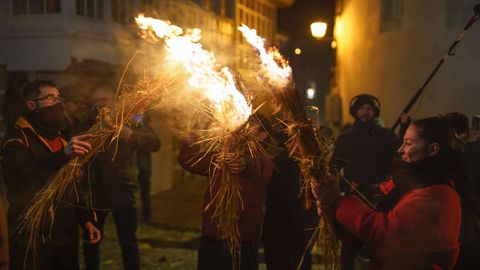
point(230, 108)
point(275, 66)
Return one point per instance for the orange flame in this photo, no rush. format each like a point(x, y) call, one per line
point(275, 66)
point(230, 108)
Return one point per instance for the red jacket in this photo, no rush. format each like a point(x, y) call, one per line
point(253, 183)
point(420, 232)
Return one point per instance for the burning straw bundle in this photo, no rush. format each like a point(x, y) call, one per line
point(216, 94)
point(305, 145)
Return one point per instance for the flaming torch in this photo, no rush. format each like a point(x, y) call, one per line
point(305, 145)
point(218, 99)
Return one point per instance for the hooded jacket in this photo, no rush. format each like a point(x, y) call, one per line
point(29, 160)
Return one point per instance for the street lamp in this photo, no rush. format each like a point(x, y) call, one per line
point(319, 29)
point(311, 93)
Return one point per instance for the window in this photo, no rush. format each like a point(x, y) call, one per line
point(100, 12)
point(80, 7)
point(218, 7)
point(114, 6)
point(90, 8)
point(391, 15)
point(230, 8)
point(36, 7)
point(147, 4)
point(53, 6)
point(458, 12)
point(23, 7)
point(122, 11)
point(131, 11)
point(19, 7)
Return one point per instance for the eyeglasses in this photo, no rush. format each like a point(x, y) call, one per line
point(50, 99)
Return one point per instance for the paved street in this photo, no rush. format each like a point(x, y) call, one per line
point(169, 241)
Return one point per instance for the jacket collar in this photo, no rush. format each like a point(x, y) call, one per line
point(23, 123)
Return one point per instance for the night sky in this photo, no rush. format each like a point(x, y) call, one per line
point(296, 19)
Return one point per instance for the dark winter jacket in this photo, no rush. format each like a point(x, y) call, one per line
point(253, 185)
point(365, 154)
point(286, 219)
point(29, 160)
point(144, 153)
point(288, 226)
point(114, 171)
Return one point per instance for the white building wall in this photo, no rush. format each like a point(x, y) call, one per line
point(50, 42)
point(393, 65)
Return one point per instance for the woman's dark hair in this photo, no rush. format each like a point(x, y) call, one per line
point(458, 123)
point(443, 129)
point(434, 130)
point(449, 162)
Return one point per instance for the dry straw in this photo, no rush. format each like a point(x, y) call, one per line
point(37, 221)
point(305, 144)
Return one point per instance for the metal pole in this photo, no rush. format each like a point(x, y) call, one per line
point(451, 51)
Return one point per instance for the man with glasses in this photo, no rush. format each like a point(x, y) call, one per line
point(33, 151)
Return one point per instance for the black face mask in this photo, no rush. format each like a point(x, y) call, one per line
point(48, 121)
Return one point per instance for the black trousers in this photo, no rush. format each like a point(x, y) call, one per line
point(285, 256)
point(144, 181)
point(347, 257)
point(126, 226)
point(213, 255)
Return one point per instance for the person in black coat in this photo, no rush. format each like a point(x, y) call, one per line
point(114, 184)
point(144, 162)
point(364, 154)
point(33, 151)
point(288, 226)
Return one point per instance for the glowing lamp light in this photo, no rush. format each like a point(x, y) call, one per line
point(333, 44)
point(298, 51)
point(311, 93)
point(319, 29)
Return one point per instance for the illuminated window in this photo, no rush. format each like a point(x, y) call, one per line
point(230, 8)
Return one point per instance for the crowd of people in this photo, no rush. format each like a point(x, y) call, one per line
point(404, 201)
point(53, 131)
